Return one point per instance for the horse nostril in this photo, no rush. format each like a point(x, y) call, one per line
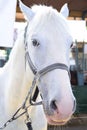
point(53, 104)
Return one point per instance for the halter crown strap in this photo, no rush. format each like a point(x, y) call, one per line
point(33, 68)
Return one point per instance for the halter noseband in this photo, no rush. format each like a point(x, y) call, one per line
point(47, 68)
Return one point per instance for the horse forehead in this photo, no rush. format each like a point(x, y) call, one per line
point(48, 28)
point(49, 23)
point(47, 17)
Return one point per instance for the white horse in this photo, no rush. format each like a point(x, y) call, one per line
point(48, 40)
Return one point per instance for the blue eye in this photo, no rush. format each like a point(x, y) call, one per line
point(35, 42)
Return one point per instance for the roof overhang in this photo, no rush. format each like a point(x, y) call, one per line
point(78, 8)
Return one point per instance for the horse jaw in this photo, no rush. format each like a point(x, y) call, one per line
point(28, 13)
point(64, 10)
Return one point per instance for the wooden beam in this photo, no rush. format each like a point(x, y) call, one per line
point(20, 17)
point(75, 14)
point(18, 9)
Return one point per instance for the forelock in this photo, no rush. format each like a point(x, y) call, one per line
point(41, 8)
point(47, 14)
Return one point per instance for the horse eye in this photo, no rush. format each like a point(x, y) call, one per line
point(35, 42)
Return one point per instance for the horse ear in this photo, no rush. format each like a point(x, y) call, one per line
point(64, 10)
point(26, 10)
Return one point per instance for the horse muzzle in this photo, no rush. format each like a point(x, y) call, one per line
point(56, 115)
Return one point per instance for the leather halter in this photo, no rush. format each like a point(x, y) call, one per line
point(47, 68)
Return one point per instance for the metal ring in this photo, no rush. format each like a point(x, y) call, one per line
point(35, 103)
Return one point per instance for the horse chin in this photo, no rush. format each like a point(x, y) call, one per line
point(58, 122)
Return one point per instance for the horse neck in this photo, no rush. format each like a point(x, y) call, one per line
point(16, 61)
point(19, 79)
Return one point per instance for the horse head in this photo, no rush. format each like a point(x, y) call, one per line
point(48, 39)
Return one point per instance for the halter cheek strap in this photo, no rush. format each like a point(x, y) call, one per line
point(30, 63)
